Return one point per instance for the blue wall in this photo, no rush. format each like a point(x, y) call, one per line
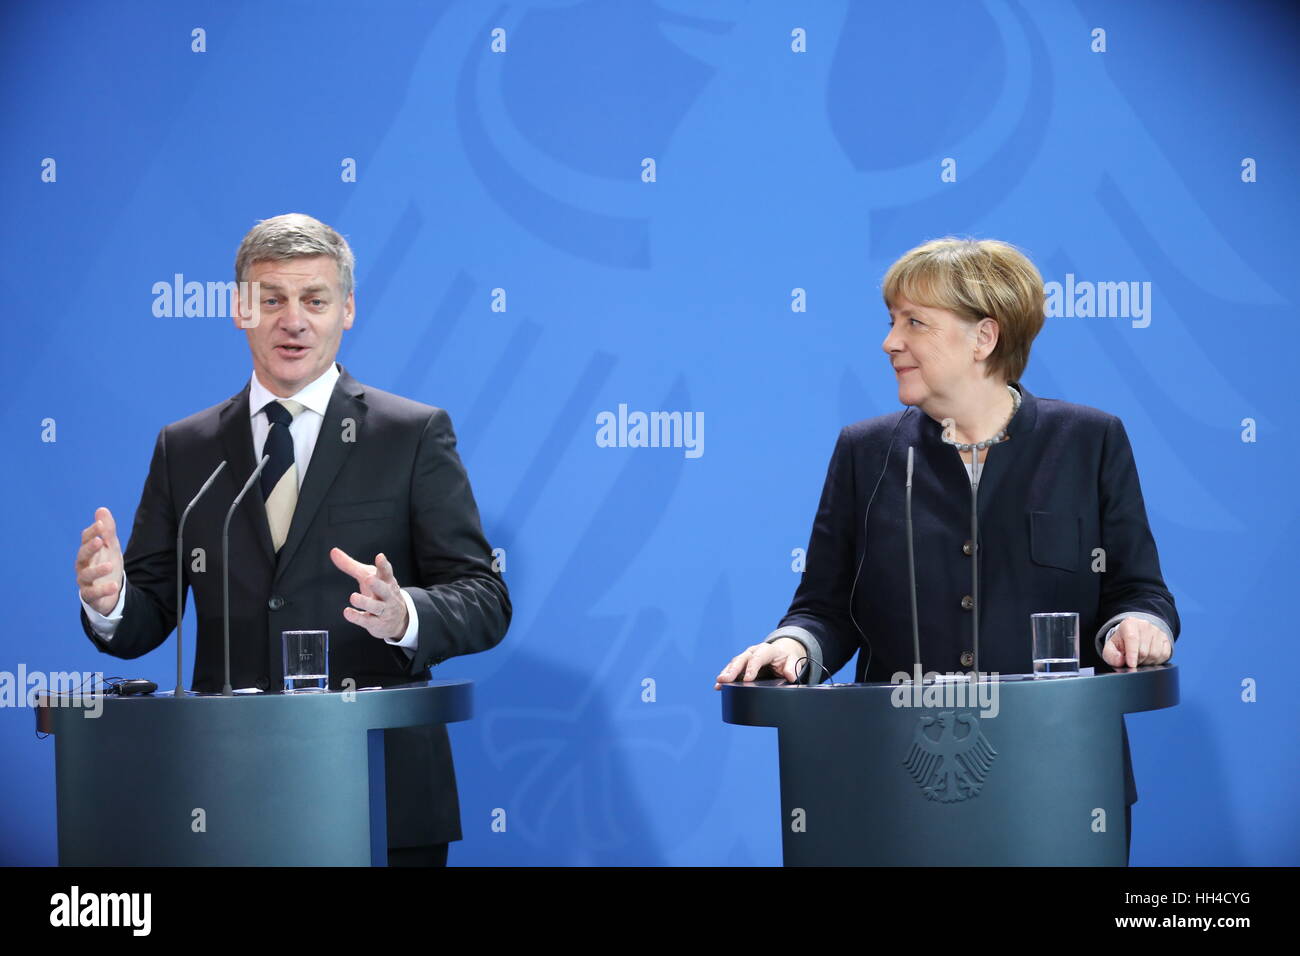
point(775, 170)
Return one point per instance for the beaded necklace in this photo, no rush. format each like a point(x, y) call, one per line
point(948, 424)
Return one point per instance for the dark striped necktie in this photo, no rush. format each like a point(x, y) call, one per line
point(279, 478)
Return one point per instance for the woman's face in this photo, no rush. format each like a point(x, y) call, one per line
point(932, 352)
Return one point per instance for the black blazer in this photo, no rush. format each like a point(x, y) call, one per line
point(1063, 485)
point(384, 476)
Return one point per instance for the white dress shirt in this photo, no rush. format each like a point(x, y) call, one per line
point(304, 430)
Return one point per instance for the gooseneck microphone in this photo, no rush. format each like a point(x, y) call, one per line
point(225, 566)
point(975, 559)
point(911, 572)
point(180, 579)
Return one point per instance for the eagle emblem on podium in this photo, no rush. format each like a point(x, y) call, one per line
point(950, 756)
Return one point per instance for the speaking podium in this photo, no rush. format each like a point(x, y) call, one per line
point(870, 779)
point(274, 779)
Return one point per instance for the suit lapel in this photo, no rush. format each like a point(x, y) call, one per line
point(327, 458)
point(237, 441)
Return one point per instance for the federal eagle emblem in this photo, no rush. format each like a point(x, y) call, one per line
point(948, 766)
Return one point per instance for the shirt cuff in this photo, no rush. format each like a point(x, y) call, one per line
point(408, 641)
point(1106, 630)
point(814, 671)
point(102, 625)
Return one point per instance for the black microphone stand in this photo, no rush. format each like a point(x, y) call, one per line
point(225, 566)
point(180, 580)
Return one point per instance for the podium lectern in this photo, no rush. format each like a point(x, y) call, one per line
point(248, 780)
point(870, 779)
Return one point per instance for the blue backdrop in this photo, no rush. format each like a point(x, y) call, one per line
point(794, 147)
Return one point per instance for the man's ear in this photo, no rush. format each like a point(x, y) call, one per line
point(349, 310)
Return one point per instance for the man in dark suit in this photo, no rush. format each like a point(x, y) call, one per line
point(353, 472)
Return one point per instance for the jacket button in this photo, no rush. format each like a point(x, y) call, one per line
point(275, 603)
point(967, 603)
point(968, 548)
point(967, 658)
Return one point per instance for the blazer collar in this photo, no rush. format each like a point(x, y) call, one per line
point(1024, 420)
point(315, 396)
point(339, 432)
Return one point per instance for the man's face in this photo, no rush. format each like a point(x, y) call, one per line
point(300, 322)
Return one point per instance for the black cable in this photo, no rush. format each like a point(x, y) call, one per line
point(865, 517)
point(112, 683)
point(798, 674)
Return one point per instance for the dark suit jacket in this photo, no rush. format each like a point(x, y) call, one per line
point(384, 476)
point(1064, 484)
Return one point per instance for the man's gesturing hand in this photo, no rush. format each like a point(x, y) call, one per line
point(380, 607)
point(99, 563)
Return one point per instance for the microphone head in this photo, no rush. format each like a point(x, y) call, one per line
point(910, 452)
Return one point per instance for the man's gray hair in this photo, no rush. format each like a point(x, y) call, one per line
point(291, 236)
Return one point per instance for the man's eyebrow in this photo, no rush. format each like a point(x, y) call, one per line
point(311, 289)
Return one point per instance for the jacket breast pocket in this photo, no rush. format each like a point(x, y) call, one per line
point(1054, 539)
point(361, 511)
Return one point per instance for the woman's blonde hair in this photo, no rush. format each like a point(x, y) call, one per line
point(976, 278)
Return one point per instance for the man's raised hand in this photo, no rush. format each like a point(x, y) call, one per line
point(99, 563)
point(379, 607)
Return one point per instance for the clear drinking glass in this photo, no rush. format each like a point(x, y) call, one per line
point(306, 661)
point(1056, 643)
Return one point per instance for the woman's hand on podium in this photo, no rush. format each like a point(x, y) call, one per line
point(99, 563)
point(780, 658)
point(1135, 643)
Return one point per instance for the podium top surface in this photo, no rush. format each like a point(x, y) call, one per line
point(771, 703)
point(399, 705)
